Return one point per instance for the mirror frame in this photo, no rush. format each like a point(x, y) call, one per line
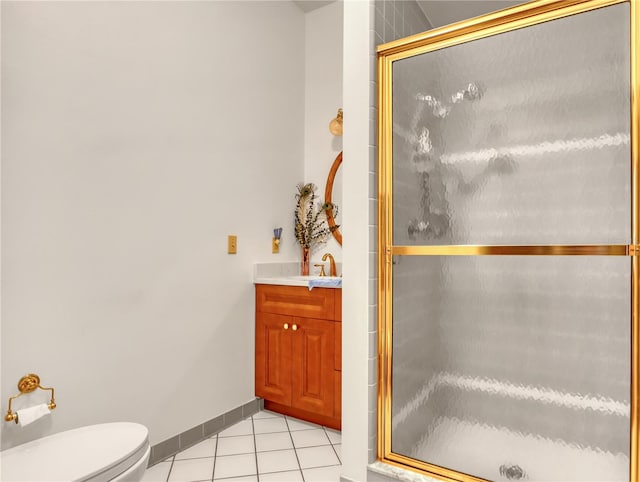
point(328, 191)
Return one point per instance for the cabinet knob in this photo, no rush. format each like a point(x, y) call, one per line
point(286, 326)
point(294, 327)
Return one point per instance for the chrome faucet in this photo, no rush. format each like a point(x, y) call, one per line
point(332, 264)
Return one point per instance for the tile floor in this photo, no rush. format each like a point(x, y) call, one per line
point(267, 447)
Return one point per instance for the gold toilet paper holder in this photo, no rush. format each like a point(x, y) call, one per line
point(28, 384)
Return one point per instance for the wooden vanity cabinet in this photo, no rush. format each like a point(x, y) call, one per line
point(297, 365)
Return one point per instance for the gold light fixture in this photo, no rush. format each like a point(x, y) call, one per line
point(335, 126)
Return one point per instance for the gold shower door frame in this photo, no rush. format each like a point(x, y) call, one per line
point(525, 15)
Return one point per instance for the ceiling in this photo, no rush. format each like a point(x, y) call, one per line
point(308, 5)
point(444, 12)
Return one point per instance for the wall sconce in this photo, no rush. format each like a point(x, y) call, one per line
point(335, 126)
point(275, 242)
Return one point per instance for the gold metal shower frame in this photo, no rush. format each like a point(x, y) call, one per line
point(524, 15)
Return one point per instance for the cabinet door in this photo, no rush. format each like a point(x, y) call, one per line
point(273, 357)
point(312, 369)
point(337, 396)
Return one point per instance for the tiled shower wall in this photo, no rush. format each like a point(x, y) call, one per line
point(393, 19)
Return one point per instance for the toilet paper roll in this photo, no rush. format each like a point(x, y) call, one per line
point(31, 414)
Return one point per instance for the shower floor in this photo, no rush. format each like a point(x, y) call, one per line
point(481, 450)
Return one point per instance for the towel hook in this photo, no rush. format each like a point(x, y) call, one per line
point(28, 384)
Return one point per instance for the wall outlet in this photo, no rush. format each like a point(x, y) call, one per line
point(232, 244)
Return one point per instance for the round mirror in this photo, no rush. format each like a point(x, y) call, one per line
point(330, 198)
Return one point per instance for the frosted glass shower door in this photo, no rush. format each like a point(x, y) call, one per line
point(517, 138)
point(507, 244)
point(513, 363)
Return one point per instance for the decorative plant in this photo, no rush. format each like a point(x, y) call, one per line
point(310, 218)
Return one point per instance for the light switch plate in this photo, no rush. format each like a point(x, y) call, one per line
point(232, 242)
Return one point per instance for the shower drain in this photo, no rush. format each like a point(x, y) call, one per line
point(512, 472)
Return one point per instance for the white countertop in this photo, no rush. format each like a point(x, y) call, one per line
point(288, 274)
point(287, 281)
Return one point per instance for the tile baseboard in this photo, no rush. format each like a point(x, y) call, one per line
point(197, 434)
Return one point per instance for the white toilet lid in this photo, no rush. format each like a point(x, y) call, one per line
point(96, 452)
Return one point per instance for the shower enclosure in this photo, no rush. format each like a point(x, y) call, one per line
point(508, 240)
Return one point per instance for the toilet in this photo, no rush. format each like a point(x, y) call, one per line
point(115, 452)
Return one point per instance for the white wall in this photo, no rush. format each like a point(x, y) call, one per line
point(136, 136)
point(359, 287)
point(323, 98)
